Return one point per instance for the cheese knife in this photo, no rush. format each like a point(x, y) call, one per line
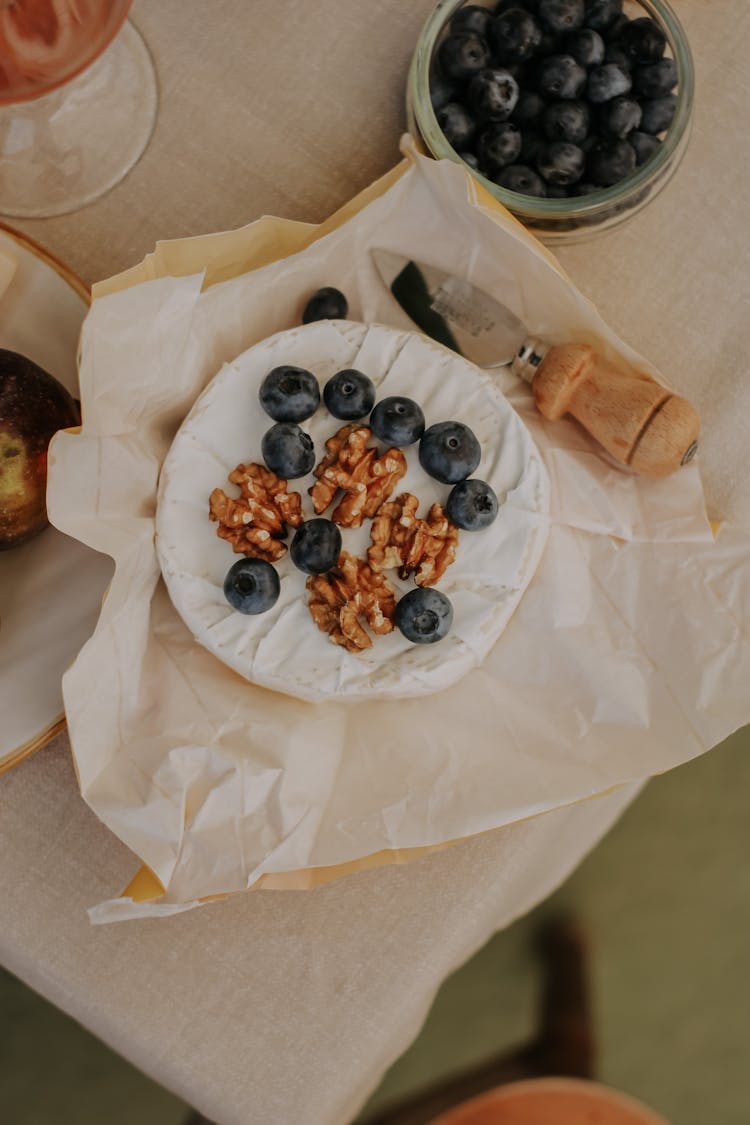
point(639, 422)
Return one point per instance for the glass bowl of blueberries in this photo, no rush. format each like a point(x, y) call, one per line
point(572, 113)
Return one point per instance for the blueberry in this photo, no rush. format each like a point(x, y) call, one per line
point(442, 91)
point(327, 304)
point(531, 6)
point(397, 420)
point(462, 56)
point(644, 146)
point(493, 94)
point(561, 15)
point(472, 19)
point(499, 145)
point(600, 14)
point(424, 616)
point(532, 144)
point(251, 586)
point(607, 82)
point(620, 116)
point(610, 162)
point(585, 188)
point(642, 40)
point(529, 108)
point(472, 505)
point(289, 394)
point(458, 127)
point(615, 54)
point(515, 35)
point(613, 30)
point(586, 47)
point(449, 452)
point(658, 113)
point(561, 163)
point(287, 450)
point(566, 121)
point(316, 546)
point(470, 159)
point(557, 191)
point(560, 76)
point(349, 394)
point(520, 178)
point(551, 44)
point(655, 79)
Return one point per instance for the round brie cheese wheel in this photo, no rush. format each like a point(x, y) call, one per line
point(282, 648)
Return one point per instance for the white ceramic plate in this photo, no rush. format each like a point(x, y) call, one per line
point(51, 587)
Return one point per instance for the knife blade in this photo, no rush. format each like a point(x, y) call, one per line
point(638, 421)
point(452, 310)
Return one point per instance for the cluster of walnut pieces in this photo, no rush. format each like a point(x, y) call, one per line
point(355, 589)
point(352, 590)
point(255, 522)
point(355, 468)
point(400, 539)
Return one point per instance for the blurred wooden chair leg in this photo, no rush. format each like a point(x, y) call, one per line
point(565, 1041)
point(563, 1046)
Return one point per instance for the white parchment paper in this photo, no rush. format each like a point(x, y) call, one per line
point(628, 654)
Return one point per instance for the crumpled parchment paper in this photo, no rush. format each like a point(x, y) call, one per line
point(628, 654)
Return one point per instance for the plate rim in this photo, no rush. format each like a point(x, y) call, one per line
point(66, 272)
point(78, 285)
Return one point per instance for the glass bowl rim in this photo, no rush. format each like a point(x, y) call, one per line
point(421, 115)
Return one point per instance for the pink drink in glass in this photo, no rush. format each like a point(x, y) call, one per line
point(45, 43)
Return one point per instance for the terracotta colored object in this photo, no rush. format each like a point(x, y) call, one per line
point(551, 1101)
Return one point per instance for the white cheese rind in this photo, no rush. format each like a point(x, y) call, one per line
point(283, 649)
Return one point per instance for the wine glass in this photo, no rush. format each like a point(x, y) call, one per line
point(78, 102)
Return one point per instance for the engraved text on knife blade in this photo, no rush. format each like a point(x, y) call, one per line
point(465, 306)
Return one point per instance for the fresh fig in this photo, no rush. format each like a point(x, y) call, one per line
point(33, 406)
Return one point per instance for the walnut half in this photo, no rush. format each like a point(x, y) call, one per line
point(354, 467)
point(400, 539)
point(347, 593)
point(256, 521)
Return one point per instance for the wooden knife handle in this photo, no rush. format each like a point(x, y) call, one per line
point(641, 423)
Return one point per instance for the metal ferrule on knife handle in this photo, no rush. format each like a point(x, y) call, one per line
point(639, 422)
point(530, 355)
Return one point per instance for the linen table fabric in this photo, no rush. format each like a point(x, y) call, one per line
point(282, 1009)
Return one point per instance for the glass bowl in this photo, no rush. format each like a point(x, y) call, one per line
point(576, 218)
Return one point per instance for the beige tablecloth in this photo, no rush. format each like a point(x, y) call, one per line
point(286, 1009)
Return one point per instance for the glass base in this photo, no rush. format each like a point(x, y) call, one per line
point(62, 151)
